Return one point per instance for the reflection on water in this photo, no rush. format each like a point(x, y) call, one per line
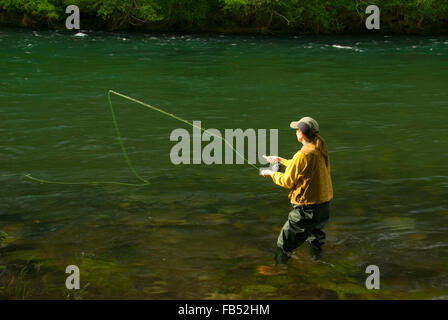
point(200, 231)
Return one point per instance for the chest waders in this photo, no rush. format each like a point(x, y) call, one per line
point(303, 222)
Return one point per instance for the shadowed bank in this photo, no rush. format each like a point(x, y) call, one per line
point(233, 16)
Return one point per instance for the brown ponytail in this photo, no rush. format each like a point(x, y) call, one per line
point(322, 147)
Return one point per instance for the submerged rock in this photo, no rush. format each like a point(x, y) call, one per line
point(157, 287)
point(240, 226)
point(418, 236)
point(5, 239)
point(231, 210)
point(3, 235)
point(222, 296)
point(10, 234)
point(109, 276)
point(257, 289)
point(216, 218)
point(399, 223)
point(124, 205)
point(170, 222)
point(249, 252)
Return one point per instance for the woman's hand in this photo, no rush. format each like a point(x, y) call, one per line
point(273, 159)
point(266, 173)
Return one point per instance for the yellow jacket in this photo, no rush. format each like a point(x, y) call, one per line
point(307, 177)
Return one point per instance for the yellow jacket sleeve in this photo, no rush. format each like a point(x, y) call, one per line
point(293, 170)
point(286, 162)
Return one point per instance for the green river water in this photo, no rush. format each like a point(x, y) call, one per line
point(200, 231)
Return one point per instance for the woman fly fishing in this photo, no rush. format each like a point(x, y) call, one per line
point(307, 176)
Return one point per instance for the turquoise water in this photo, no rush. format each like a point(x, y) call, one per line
point(200, 231)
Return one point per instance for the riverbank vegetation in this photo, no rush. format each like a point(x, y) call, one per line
point(235, 16)
point(239, 16)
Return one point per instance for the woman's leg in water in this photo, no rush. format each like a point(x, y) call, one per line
point(319, 231)
point(294, 232)
point(303, 222)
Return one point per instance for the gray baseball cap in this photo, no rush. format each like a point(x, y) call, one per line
point(307, 125)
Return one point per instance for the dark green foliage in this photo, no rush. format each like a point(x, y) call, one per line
point(3, 236)
point(43, 8)
point(297, 16)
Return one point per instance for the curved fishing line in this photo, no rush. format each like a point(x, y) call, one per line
point(120, 139)
point(123, 148)
point(125, 155)
point(180, 119)
point(29, 176)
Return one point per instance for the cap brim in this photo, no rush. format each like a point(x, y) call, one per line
point(294, 125)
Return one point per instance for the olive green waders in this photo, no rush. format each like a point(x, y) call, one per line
point(303, 222)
